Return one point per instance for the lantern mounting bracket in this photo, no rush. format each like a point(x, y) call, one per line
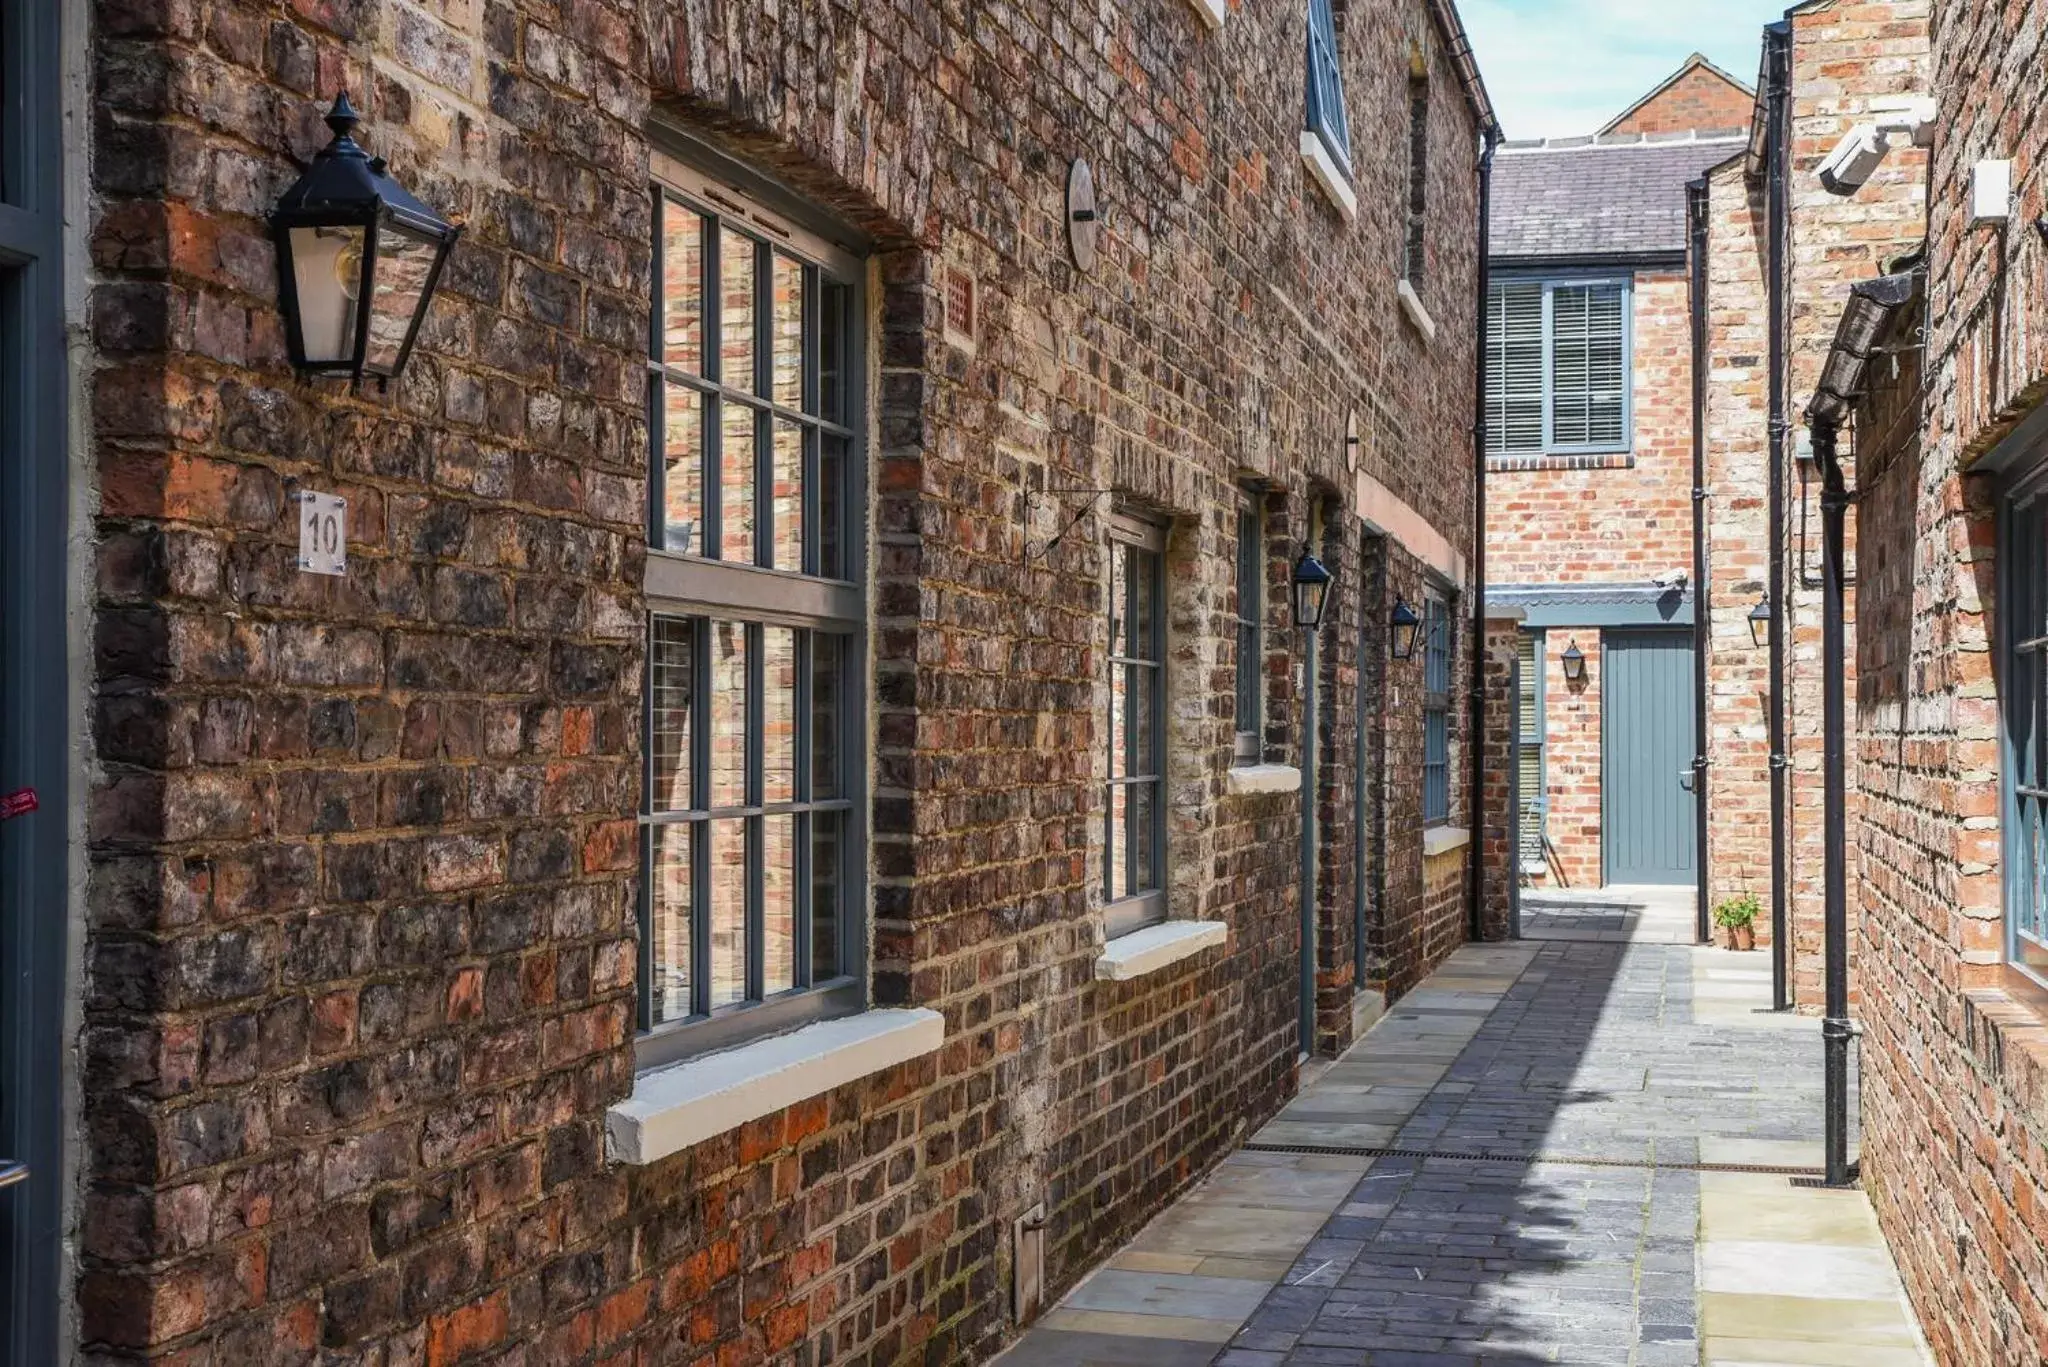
point(1034, 496)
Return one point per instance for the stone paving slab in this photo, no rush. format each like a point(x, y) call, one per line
point(1607, 1036)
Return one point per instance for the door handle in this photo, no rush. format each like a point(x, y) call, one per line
point(12, 1170)
point(1685, 779)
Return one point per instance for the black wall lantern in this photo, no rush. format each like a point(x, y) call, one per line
point(1760, 621)
point(1574, 661)
point(357, 261)
point(1311, 588)
point(1405, 625)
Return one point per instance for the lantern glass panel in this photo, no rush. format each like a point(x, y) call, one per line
point(327, 274)
point(405, 266)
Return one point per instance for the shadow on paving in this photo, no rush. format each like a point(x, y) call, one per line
point(1592, 1053)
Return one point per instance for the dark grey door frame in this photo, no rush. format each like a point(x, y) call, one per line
point(34, 687)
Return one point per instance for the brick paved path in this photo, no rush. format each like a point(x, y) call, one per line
point(1603, 1036)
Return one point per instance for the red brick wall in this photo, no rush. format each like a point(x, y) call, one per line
point(1632, 520)
point(1700, 100)
point(1955, 1075)
point(361, 942)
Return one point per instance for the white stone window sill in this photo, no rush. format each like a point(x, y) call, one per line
point(686, 1103)
point(1212, 11)
point(1411, 304)
point(1245, 779)
point(1443, 839)
point(1155, 947)
point(1323, 169)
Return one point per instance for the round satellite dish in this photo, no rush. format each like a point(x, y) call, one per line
point(1084, 224)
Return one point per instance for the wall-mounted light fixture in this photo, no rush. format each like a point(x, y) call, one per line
point(357, 261)
point(1311, 588)
point(1405, 625)
point(1760, 622)
point(1574, 661)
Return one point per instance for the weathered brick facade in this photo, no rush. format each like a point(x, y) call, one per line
point(1955, 1109)
point(360, 945)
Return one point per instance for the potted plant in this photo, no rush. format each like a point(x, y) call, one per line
point(1738, 916)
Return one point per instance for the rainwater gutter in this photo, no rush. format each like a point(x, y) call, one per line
point(1702, 594)
point(1777, 156)
point(1476, 851)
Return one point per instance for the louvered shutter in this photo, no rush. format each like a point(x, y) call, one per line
point(1514, 368)
point(1534, 801)
point(1588, 403)
point(1326, 118)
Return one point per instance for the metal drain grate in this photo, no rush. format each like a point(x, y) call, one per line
point(1526, 1159)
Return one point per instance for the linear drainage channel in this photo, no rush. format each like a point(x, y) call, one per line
point(1528, 1159)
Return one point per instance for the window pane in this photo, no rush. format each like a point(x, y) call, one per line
point(778, 904)
point(1144, 807)
point(736, 483)
point(1119, 721)
point(1144, 606)
point(728, 704)
point(728, 910)
point(1119, 596)
point(827, 860)
point(682, 287)
point(1249, 556)
point(786, 496)
point(682, 469)
point(778, 714)
point(1144, 702)
point(671, 658)
point(403, 264)
point(828, 654)
point(832, 360)
point(736, 253)
point(1587, 397)
point(669, 937)
point(788, 280)
point(1514, 368)
point(831, 500)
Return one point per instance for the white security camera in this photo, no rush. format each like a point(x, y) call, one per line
point(1671, 579)
point(1862, 149)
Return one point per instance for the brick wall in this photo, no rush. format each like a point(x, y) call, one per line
point(361, 943)
point(1953, 1067)
point(1738, 454)
point(1497, 825)
point(1700, 100)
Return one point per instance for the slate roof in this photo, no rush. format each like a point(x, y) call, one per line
point(1597, 197)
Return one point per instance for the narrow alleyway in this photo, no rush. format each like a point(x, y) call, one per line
point(1624, 1084)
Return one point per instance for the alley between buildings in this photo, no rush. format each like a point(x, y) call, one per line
point(1650, 1123)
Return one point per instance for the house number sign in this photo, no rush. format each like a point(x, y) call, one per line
point(323, 533)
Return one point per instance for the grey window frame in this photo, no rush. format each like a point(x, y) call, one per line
point(706, 590)
point(36, 683)
point(1250, 702)
point(1146, 906)
point(1439, 655)
point(2022, 636)
point(1325, 114)
point(1534, 731)
point(1551, 282)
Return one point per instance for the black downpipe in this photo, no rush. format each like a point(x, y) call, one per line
point(1476, 850)
point(1702, 585)
point(1778, 38)
point(1835, 1030)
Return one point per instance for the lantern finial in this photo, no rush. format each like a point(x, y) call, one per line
point(342, 118)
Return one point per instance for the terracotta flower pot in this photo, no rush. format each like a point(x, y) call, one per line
point(1742, 937)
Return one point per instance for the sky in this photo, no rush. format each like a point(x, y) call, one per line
point(1557, 68)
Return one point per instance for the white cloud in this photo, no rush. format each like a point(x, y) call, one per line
point(1556, 68)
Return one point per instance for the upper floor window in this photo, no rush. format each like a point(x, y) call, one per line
point(1134, 843)
point(1414, 249)
point(752, 864)
point(2023, 675)
point(1326, 86)
point(1558, 367)
point(1436, 709)
point(1251, 636)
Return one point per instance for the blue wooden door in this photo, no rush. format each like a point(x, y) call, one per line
point(1646, 706)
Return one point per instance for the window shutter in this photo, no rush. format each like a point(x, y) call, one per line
point(1588, 360)
point(1514, 368)
point(1326, 118)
